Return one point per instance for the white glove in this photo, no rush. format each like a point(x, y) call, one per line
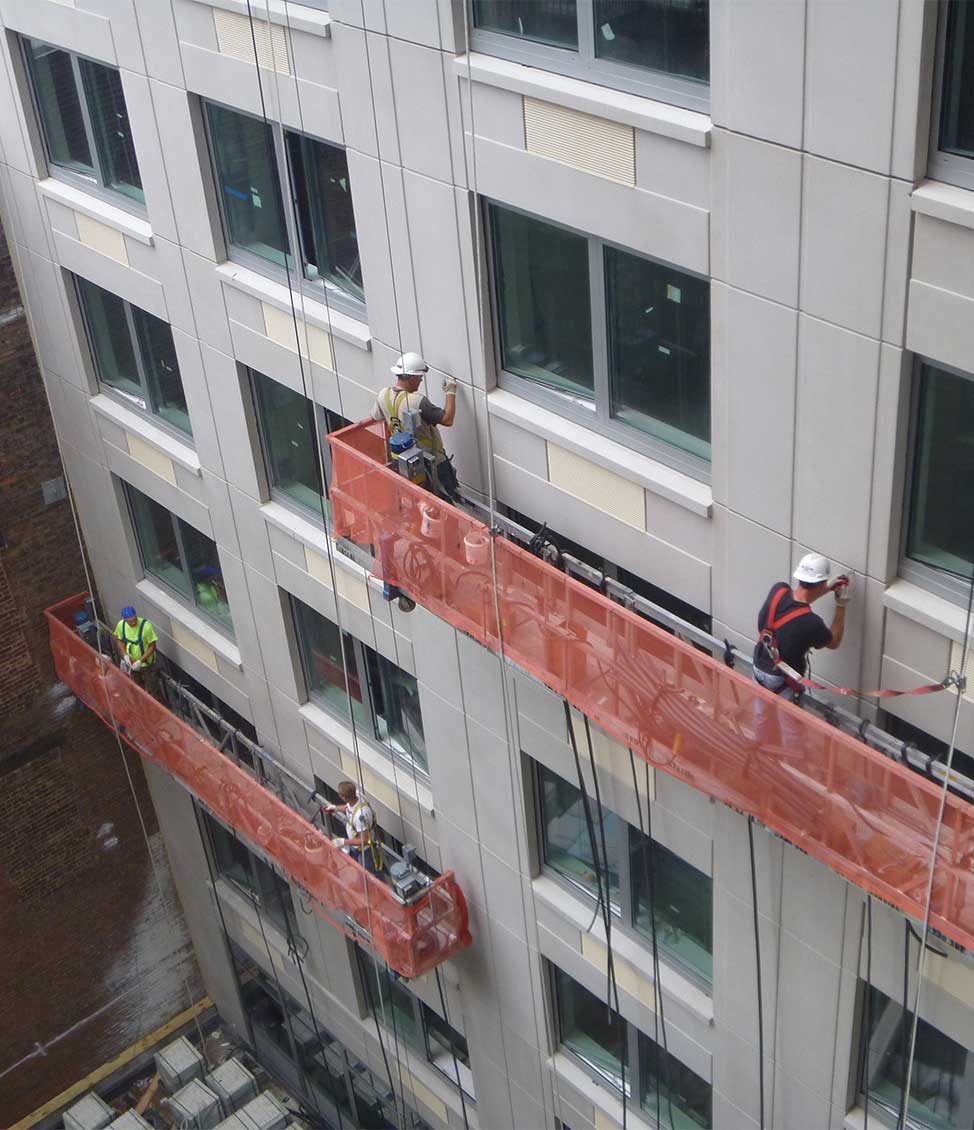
point(842, 589)
point(338, 842)
point(125, 664)
point(450, 386)
point(137, 665)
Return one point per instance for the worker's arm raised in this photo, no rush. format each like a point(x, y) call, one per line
point(450, 407)
point(842, 589)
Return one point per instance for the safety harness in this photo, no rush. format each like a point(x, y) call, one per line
point(427, 436)
point(138, 640)
point(374, 845)
point(769, 639)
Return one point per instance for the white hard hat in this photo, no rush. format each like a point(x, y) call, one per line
point(410, 365)
point(813, 569)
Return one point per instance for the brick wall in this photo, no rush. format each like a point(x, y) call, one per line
point(92, 954)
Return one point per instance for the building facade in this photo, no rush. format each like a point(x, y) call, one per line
point(706, 315)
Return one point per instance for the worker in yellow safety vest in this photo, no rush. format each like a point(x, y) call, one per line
point(135, 639)
point(405, 409)
point(360, 839)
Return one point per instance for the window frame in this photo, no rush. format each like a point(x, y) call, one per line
point(144, 405)
point(363, 673)
point(97, 186)
point(938, 581)
point(626, 912)
point(598, 416)
point(218, 625)
point(948, 168)
point(328, 293)
point(583, 64)
point(633, 1081)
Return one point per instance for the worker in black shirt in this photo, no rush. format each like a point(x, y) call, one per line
point(788, 630)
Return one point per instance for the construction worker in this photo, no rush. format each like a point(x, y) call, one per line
point(788, 630)
point(405, 409)
point(135, 640)
point(360, 838)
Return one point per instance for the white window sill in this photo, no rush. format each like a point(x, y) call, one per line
point(944, 202)
point(130, 421)
point(615, 105)
point(313, 312)
point(398, 778)
point(600, 1093)
point(923, 607)
point(293, 14)
point(310, 534)
point(654, 476)
point(96, 209)
point(225, 648)
point(637, 954)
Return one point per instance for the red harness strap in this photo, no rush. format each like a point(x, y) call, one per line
point(773, 622)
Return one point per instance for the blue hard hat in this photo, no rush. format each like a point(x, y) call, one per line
point(127, 612)
point(206, 572)
point(81, 618)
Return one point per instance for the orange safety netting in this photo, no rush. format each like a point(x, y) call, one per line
point(866, 817)
point(411, 939)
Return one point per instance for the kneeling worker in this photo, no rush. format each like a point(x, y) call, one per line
point(405, 409)
point(135, 639)
point(360, 834)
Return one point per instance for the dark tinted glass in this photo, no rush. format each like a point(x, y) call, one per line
point(203, 563)
point(327, 655)
point(565, 840)
point(659, 350)
point(660, 35)
point(397, 717)
point(941, 531)
point(161, 369)
point(248, 183)
point(679, 1095)
point(544, 21)
point(287, 432)
point(156, 532)
point(325, 213)
point(56, 90)
point(110, 123)
point(111, 341)
point(587, 1027)
point(542, 287)
point(957, 102)
point(684, 904)
point(232, 856)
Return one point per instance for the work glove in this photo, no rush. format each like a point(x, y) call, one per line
point(137, 665)
point(450, 385)
point(842, 589)
point(338, 841)
point(125, 664)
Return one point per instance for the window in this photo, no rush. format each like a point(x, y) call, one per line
point(953, 118)
point(636, 865)
point(608, 1045)
point(134, 354)
point(415, 1023)
point(83, 119)
point(942, 1079)
point(319, 231)
point(177, 554)
point(657, 48)
point(289, 442)
point(339, 669)
point(940, 534)
point(260, 882)
point(559, 295)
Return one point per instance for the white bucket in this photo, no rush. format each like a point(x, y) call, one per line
point(475, 548)
point(432, 524)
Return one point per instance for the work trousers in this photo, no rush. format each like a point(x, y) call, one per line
point(773, 725)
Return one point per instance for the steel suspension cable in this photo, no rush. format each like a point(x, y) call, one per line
point(757, 959)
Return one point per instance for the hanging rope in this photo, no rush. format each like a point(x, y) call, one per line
point(757, 960)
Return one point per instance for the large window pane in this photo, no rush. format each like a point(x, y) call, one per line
point(671, 36)
point(111, 341)
point(161, 369)
point(679, 1094)
point(565, 840)
point(941, 532)
point(543, 303)
point(587, 1027)
point(544, 21)
point(110, 123)
point(248, 183)
point(327, 655)
point(957, 104)
point(684, 904)
point(939, 1088)
point(287, 431)
point(325, 213)
point(659, 350)
point(232, 856)
point(157, 540)
point(395, 699)
point(203, 563)
point(56, 90)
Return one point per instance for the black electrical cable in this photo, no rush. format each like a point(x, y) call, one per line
point(586, 808)
point(757, 957)
point(370, 1003)
point(456, 1064)
point(656, 965)
point(395, 1037)
point(904, 1039)
point(866, 1010)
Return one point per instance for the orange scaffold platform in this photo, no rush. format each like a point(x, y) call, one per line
point(866, 817)
point(412, 938)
